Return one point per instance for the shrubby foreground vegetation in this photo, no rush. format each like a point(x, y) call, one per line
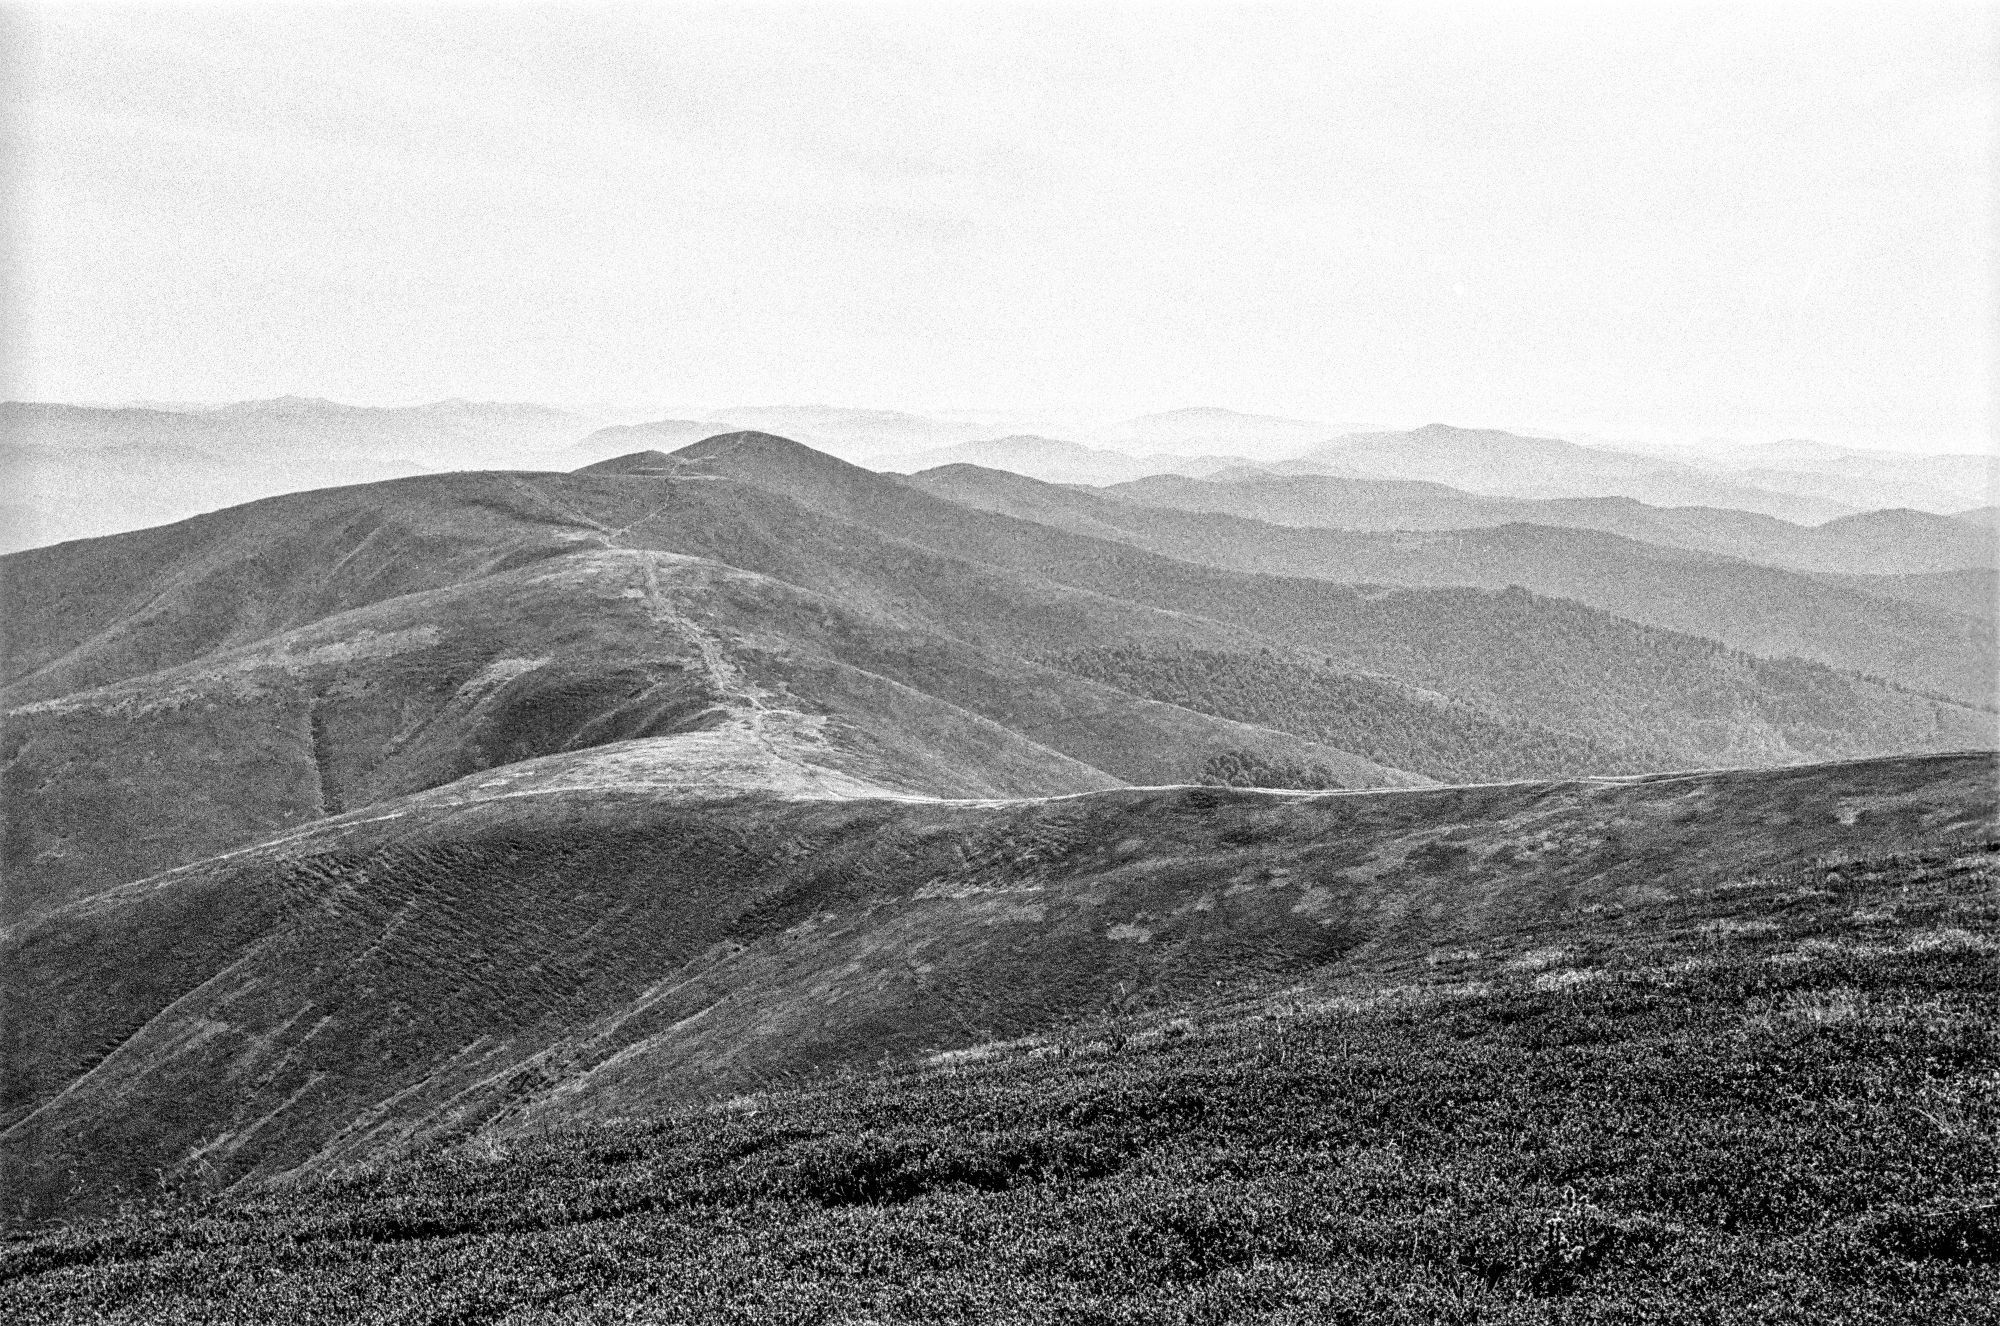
point(1773, 1101)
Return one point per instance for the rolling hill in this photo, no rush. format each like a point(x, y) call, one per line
point(1763, 610)
point(852, 434)
point(1759, 1099)
point(577, 937)
point(624, 439)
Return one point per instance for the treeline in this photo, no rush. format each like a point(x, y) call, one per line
point(1242, 768)
point(1385, 722)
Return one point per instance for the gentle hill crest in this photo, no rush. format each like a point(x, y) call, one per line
point(636, 462)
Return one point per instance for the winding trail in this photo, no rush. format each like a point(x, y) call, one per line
point(782, 734)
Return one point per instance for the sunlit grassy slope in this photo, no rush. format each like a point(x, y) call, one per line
point(1759, 1097)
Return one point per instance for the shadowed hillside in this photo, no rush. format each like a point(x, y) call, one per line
point(1762, 1099)
point(573, 938)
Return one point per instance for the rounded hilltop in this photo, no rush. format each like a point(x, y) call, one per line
point(633, 462)
point(749, 445)
point(747, 450)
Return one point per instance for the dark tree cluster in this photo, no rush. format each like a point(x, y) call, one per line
point(1381, 720)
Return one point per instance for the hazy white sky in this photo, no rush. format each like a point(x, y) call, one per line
point(1652, 221)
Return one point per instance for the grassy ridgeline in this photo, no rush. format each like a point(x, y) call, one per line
point(1773, 1101)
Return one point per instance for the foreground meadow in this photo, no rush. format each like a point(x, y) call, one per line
point(1772, 1101)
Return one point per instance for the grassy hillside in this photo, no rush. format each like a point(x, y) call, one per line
point(1450, 742)
point(1759, 609)
point(572, 937)
point(1757, 1096)
point(568, 653)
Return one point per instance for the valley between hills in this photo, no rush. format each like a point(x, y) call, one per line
point(471, 863)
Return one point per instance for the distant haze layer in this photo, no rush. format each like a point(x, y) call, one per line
point(1666, 222)
point(76, 471)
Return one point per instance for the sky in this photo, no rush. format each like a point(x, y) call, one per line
point(1658, 222)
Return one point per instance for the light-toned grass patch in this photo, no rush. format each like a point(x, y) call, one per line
point(1537, 959)
point(971, 1054)
point(1844, 1004)
point(1729, 928)
point(1443, 955)
point(1951, 939)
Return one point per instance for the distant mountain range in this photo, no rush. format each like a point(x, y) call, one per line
point(444, 432)
point(1500, 464)
point(1761, 609)
point(1876, 542)
point(177, 459)
point(1057, 461)
point(1206, 430)
point(1473, 464)
point(1862, 479)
